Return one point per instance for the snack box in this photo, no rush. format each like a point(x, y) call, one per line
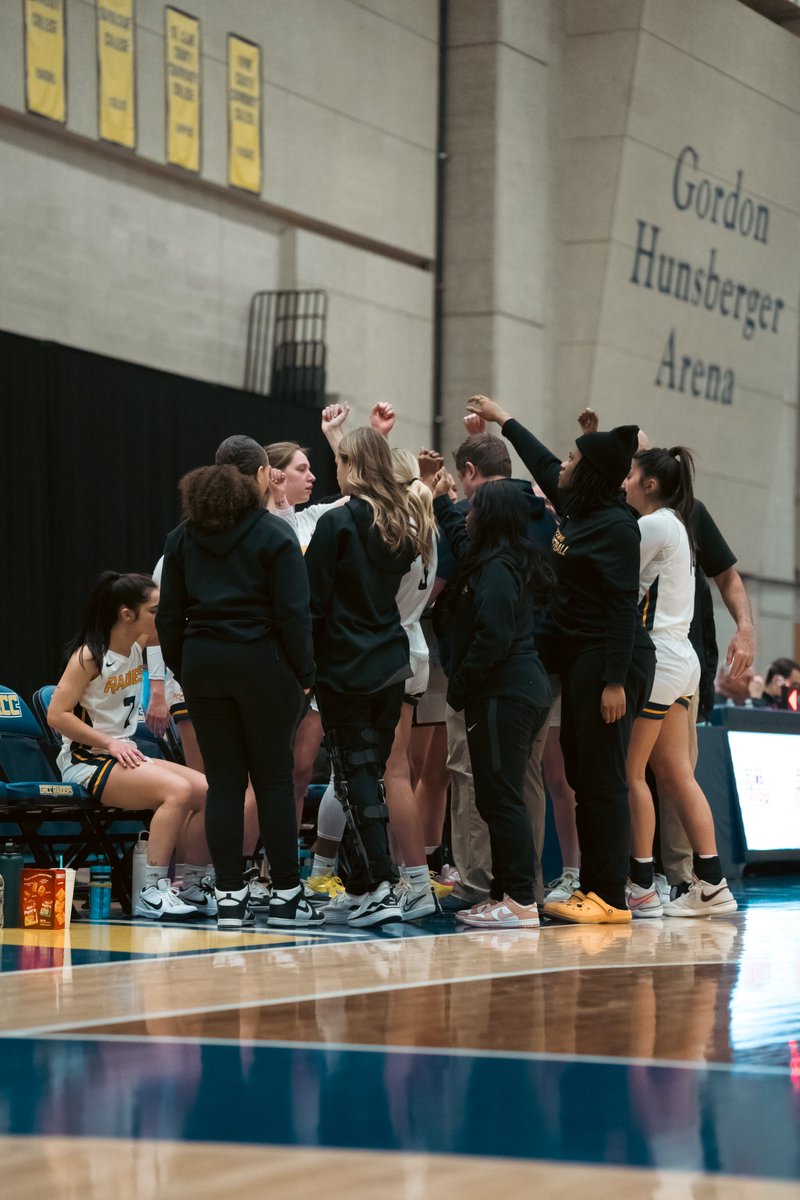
point(43, 898)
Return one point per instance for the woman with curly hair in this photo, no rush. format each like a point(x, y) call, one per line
point(356, 561)
point(234, 627)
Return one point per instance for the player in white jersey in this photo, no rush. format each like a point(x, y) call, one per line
point(95, 708)
point(660, 488)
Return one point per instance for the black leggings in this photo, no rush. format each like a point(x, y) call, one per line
point(349, 716)
point(594, 757)
point(244, 701)
point(500, 735)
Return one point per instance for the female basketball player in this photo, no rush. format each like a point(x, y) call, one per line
point(96, 708)
point(659, 487)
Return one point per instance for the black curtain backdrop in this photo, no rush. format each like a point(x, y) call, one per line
point(91, 451)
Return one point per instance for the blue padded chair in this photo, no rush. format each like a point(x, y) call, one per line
point(34, 797)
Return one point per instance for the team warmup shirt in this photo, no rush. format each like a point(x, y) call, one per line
point(109, 704)
point(666, 578)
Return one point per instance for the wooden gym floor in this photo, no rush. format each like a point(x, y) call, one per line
point(655, 1060)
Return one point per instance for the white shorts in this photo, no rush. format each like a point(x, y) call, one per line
point(677, 676)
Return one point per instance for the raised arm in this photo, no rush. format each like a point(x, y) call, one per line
point(541, 462)
point(333, 419)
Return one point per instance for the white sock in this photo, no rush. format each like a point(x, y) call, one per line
point(323, 866)
point(153, 874)
point(190, 873)
point(286, 893)
point(643, 860)
point(416, 876)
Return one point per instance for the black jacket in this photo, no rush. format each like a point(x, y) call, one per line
point(491, 627)
point(359, 644)
point(240, 585)
point(597, 567)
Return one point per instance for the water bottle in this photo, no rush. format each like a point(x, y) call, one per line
point(11, 865)
point(100, 893)
point(139, 864)
point(304, 859)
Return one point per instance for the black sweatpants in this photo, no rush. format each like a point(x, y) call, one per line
point(500, 735)
point(349, 716)
point(244, 701)
point(594, 757)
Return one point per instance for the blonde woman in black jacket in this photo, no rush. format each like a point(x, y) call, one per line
point(356, 560)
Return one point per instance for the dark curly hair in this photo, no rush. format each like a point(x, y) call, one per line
point(216, 498)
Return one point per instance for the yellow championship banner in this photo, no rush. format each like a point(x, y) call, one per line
point(116, 71)
point(45, 59)
point(244, 114)
point(182, 36)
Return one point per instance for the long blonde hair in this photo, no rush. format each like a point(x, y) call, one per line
point(365, 456)
point(420, 501)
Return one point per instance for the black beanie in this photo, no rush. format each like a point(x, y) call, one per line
point(611, 453)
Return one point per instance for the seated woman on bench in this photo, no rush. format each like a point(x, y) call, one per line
point(95, 708)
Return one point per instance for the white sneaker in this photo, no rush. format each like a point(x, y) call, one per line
point(661, 884)
point(338, 909)
point(259, 892)
point(161, 901)
point(642, 901)
point(200, 894)
point(502, 914)
point(703, 900)
point(416, 902)
point(377, 907)
point(561, 889)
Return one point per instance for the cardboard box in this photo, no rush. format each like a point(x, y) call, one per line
point(43, 898)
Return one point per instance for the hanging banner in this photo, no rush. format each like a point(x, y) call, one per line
point(244, 114)
point(182, 37)
point(116, 72)
point(45, 59)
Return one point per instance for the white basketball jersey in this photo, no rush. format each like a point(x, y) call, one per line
point(666, 578)
point(111, 701)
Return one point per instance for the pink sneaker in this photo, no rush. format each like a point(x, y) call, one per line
point(501, 914)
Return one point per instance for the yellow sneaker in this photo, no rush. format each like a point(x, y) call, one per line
point(440, 889)
point(325, 885)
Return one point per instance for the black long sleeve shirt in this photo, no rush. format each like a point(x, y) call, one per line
point(492, 627)
point(359, 643)
point(236, 586)
point(597, 568)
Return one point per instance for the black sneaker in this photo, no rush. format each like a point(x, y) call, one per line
point(233, 910)
point(294, 911)
point(678, 889)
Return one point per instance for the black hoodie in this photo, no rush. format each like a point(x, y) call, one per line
point(359, 644)
point(237, 586)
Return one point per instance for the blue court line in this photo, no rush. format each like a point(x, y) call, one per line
point(587, 1112)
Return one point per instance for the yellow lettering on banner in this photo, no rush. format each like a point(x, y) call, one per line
point(244, 114)
point(182, 35)
point(116, 72)
point(45, 55)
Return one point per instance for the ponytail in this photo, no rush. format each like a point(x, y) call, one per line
point(111, 592)
point(673, 471)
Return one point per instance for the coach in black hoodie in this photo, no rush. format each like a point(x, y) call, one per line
point(596, 643)
point(235, 628)
point(356, 559)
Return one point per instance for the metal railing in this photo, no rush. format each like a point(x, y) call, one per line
point(286, 353)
